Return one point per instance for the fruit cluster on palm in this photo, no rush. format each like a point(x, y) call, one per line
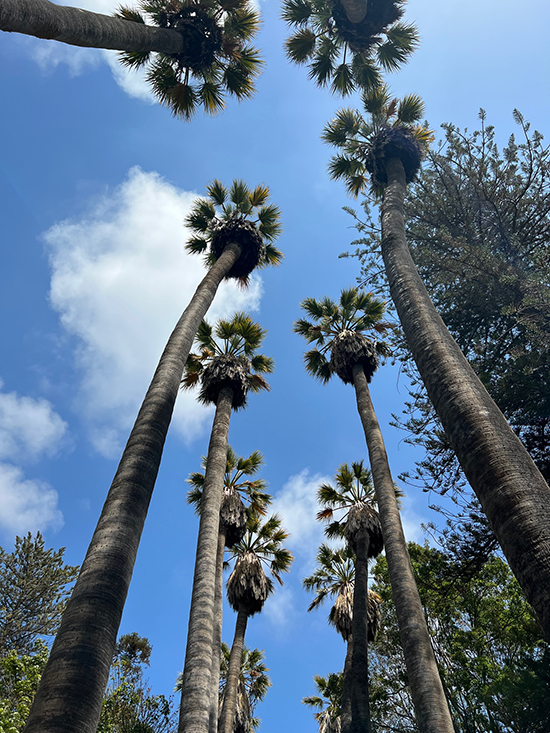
point(348, 55)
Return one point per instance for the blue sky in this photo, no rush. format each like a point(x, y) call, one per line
point(95, 181)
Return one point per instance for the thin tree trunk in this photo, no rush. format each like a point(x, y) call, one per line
point(196, 683)
point(432, 711)
point(78, 27)
point(71, 690)
point(360, 712)
point(217, 635)
point(510, 488)
point(356, 10)
point(227, 717)
point(345, 709)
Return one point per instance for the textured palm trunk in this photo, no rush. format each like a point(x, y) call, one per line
point(360, 712)
point(227, 716)
point(356, 10)
point(197, 671)
point(345, 708)
point(217, 635)
point(511, 490)
point(71, 690)
point(431, 709)
point(78, 27)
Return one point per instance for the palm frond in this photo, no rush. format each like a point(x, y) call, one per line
point(300, 47)
point(317, 365)
point(296, 12)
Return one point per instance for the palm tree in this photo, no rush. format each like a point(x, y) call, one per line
point(252, 686)
point(327, 702)
point(248, 588)
point(338, 329)
point(227, 369)
point(510, 488)
point(335, 576)
point(359, 524)
point(348, 54)
point(76, 675)
point(196, 51)
point(237, 487)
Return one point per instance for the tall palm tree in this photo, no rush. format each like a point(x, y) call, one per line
point(237, 237)
point(227, 368)
point(196, 51)
point(252, 686)
point(510, 488)
point(337, 329)
point(345, 53)
point(248, 588)
point(357, 521)
point(335, 576)
point(327, 702)
point(238, 490)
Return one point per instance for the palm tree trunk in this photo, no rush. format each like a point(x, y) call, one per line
point(510, 488)
point(432, 712)
point(196, 683)
point(217, 636)
point(78, 27)
point(71, 690)
point(232, 680)
point(345, 709)
point(356, 10)
point(360, 712)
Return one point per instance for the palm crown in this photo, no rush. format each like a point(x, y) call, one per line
point(334, 576)
point(254, 681)
point(334, 325)
point(227, 358)
point(327, 702)
point(235, 214)
point(248, 586)
point(343, 54)
point(217, 58)
point(392, 130)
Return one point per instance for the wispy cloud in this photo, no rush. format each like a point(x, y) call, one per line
point(120, 280)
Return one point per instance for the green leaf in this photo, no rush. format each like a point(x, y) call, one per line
point(342, 80)
point(296, 12)
point(301, 46)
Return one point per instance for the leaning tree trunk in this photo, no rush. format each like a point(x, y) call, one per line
point(360, 712)
point(431, 709)
point(71, 690)
point(78, 27)
point(345, 707)
point(229, 708)
point(217, 635)
point(199, 660)
point(510, 488)
point(356, 10)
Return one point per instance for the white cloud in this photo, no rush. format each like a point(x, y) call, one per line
point(120, 280)
point(412, 522)
point(29, 428)
point(279, 607)
point(297, 504)
point(27, 506)
point(132, 81)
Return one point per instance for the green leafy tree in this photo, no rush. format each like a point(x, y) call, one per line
point(342, 52)
point(227, 367)
point(34, 587)
point(238, 235)
point(493, 662)
point(248, 588)
point(241, 494)
point(508, 485)
point(128, 705)
point(19, 678)
point(196, 52)
point(338, 329)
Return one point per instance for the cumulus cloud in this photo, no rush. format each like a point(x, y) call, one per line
point(29, 428)
point(27, 506)
point(120, 280)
